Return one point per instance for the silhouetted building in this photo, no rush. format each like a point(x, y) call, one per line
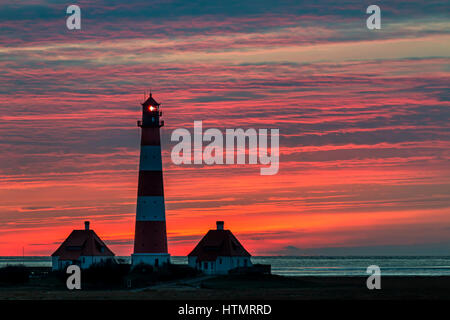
point(218, 252)
point(83, 248)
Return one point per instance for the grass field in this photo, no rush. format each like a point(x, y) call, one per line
point(267, 287)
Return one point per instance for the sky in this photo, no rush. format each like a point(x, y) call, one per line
point(363, 117)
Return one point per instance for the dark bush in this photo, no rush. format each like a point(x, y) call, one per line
point(107, 274)
point(142, 269)
point(14, 275)
point(59, 274)
point(112, 275)
point(176, 271)
point(145, 275)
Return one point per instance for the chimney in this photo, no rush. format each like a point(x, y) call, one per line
point(86, 225)
point(219, 225)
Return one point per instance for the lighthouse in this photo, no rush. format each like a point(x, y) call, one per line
point(150, 238)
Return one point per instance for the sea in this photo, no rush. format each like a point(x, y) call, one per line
point(309, 265)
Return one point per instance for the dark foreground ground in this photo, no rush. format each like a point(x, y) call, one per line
point(261, 287)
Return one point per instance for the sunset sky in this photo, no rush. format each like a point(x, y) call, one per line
point(363, 118)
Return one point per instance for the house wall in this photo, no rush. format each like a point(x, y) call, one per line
point(221, 266)
point(192, 262)
point(55, 263)
point(87, 261)
point(59, 264)
point(224, 264)
point(84, 262)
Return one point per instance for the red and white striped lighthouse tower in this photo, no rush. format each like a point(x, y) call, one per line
point(150, 239)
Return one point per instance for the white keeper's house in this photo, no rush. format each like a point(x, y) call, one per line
point(218, 252)
point(83, 248)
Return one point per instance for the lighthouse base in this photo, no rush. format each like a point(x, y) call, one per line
point(153, 259)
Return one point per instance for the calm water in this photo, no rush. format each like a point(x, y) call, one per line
point(311, 266)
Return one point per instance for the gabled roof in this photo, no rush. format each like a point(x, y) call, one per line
point(82, 243)
point(218, 243)
point(150, 102)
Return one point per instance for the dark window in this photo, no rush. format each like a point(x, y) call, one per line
point(205, 265)
point(245, 262)
point(156, 262)
point(220, 261)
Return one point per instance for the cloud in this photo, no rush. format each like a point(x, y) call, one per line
point(363, 119)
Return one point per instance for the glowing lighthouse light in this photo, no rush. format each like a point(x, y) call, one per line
point(151, 108)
